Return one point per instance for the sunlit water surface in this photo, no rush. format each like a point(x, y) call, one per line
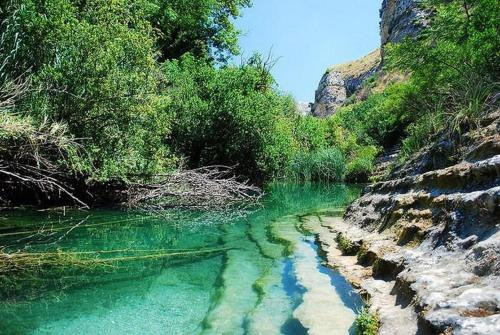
point(229, 273)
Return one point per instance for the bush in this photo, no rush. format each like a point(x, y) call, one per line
point(231, 116)
point(420, 134)
point(323, 165)
point(379, 118)
point(38, 161)
point(311, 133)
point(345, 245)
point(95, 67)
point(367, 323)
point(328, 165)
point(361, 164)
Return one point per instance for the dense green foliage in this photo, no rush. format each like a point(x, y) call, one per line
point(230, 116)
point(321, 165)
point(134, 81)
point(144, 87)
point(454, 68)
point(136, 84)
point(443, 80)
point(93, 67)
point(200, 27)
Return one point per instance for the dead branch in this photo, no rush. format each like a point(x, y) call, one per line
point(204, 188)
point(30, 156)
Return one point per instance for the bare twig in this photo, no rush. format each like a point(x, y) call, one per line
point(206, 188)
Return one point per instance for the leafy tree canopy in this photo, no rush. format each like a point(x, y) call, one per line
point(203, 28)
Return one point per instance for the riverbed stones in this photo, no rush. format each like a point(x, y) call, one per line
point(322, 310)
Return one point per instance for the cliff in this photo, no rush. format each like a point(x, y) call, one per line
point(398, 19)
point(341, 81)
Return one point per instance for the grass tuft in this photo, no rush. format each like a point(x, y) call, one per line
point(345, 245)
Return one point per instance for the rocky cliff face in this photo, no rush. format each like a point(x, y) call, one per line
point(398, 19)
point(341, 81)
point(425, 243)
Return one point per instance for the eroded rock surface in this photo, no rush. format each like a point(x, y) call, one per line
point(427, 239)
point(400, 19)
point(341, 81)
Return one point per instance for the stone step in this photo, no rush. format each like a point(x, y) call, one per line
point(395, 315)
point(322, 310)
point(237, 298)
point(274, 307)
point(413, 214)
point(465, 175)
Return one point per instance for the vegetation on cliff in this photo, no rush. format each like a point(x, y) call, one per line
point(454, 68)
point(446, 77)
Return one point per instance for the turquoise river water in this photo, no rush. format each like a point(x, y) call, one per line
point(238, 272)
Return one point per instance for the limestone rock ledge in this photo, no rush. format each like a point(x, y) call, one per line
point(424, 245)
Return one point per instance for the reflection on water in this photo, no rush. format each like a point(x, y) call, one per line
point(241, 282)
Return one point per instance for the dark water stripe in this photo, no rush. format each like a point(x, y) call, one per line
point(347, 294)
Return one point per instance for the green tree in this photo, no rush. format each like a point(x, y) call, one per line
point(93, 66)
point(203, 28)
point(230, 116)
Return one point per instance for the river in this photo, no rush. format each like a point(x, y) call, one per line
point(251, 271)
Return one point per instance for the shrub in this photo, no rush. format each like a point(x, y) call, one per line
point(231, 116)
point(311, 133)
point(323, 165)
point(38, 162)
point(367, 323)
point(361, 164)
point(420, 133)
point(345, 245)
point(328, 165)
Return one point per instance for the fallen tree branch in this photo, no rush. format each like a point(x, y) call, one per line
point(204, 188)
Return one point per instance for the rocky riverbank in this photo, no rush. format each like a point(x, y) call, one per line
point(424, 244)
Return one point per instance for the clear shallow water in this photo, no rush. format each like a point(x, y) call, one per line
point(254, 280)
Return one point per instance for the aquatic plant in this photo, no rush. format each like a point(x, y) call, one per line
point(29, 274)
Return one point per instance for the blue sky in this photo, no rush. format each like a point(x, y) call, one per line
point(308, 36)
